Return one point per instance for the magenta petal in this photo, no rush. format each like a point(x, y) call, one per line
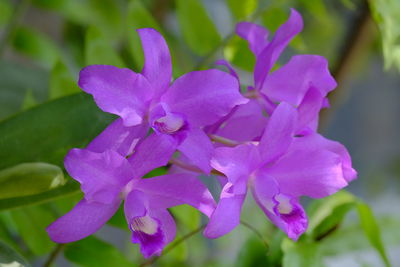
point(256, 35)
point(267, 58)
point(157, 66)
point(101, 175)
point(308, 111)
point(198, 148)
point(227, 214)
point(153, 152)
point(307, 172)
point(223, 62)
point(117, 91)
point(183, 188)
point(292, 81)
point(236, 162)
point(83, 220)
point(119, 138)
point(203, 96)
point(278, 134)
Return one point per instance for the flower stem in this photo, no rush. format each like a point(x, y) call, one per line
point(173, 245)
point(53, 255)
point(223, 140)
point(256, 232)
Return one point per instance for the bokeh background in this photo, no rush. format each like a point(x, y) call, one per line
point(44, 44)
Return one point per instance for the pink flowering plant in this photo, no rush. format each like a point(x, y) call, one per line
point(263, 140)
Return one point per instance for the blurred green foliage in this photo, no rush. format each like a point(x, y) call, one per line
point(43, 115)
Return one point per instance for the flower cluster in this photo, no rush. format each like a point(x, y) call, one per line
point(263, 140)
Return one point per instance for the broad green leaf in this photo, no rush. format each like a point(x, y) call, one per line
point(15, 81)
point(62, 82)
point(11, 258)
point(29, 179)
point(138, 17)
point(241, 9)
point(92, 251)
point(35, 45)
point(31, 223)
point(196, 26)
point(301, 254)
point(46, 132)
point(29, 100)
point(386, 14)
point(98, 49)
point(371, 229)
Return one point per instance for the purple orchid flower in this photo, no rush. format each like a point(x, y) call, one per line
point(146, 99)
point(279, 170)
point(107, 178)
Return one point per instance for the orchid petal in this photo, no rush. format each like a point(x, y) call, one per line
point(279, 132)
point(157, 67)
point(198, 148)
point(83, 220)
point(117, 91)
point(267, 58)
point(203, 96)
point(101, 175)
point(223, 62)
point(256, 36)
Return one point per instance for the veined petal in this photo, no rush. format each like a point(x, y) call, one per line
point(83, 220)
point(157, 66)
point(197, 147)
point(117, 91)
point(256, 36)
point(153, 152)
point(152, 228)
point(291, 82)
point(101, 175)
point(119, 138)
point(227, 214)
point(279, 132)
point(267, 58)
point(182, 188)
point(203, 96)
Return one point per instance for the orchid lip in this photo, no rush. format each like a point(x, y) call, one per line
point(144, 224)
point(169, 124)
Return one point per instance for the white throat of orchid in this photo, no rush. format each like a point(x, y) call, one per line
point(144, 224)
point(284, 206)
point(169, 124)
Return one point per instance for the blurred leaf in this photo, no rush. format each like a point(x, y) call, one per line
point(274, 16)
point(187, 216)
point(31, 223)
point(196, 26)
point(62, 83)
point(29, 100)
point(98, 50)
point(92, 251)
point(315, 7)
point(118, 219)
point(252, 253)
point(372, 230)
point(241, 9)
point(15, 80)
point(35, 45)
point(237, 51)
point(29, 178)
point(5, 11)
point(386, 13)
point(11, 258)
point(138, 17)
point(301, 254)
point(46, 132)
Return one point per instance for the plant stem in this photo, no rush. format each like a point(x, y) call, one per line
point(223, 140)
point(173, 245)
point(53, 255)
point(9, 31)
point(256, 232)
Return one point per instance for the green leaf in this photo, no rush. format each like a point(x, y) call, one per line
point(187, 216)
point(62, 82)
point(36, 45)
point(241, 9)
point(92, 251)
point(252, 253)
point(98, 49)
point(196, 26)
point(372, 230)
point(5, 11)
point(237, 51)
point(138, 17)
point(301, 254)
point(386, 14)
point(31, 223)
point(9, 257)
point(29, 178)
point(29, 100)
point(46, 132)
